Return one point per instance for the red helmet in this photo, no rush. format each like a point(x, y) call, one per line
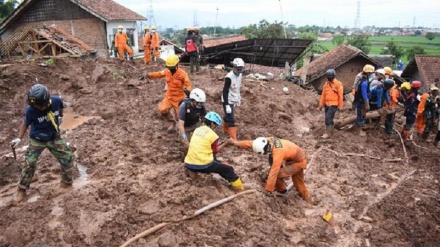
point(416, 84)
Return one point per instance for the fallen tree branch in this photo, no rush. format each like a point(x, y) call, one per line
point(198, 212)
point(403, 146)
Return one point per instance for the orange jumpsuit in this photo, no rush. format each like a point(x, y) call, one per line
point(394, 96)
point(155, 45)
point(176, 84)
point(121, 45)
point(147, 48)
point(294, 159)
point(420, 118)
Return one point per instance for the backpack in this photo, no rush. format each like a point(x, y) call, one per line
point(190, 45)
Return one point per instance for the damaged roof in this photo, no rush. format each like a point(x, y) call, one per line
point(269, 52)
point(220, 41)
point(427, 65)
point(334, 59)
point(106, 10)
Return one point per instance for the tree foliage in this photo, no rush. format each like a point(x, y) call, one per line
point(338, 39)
point(430, 35)
point(7, 7)
point(393, 49)
point(411, 52)
point(265, 30)
point(360, 41)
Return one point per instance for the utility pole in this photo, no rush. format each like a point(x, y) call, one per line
point(357, 21)
point(151, 20)
point(282, 20)
point(215, 25)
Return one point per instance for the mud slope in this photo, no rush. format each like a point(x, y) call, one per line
point(130, 177)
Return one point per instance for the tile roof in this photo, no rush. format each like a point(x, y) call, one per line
point(427, 65)
point(108, 10)
point(333, 59)
point(221, 41)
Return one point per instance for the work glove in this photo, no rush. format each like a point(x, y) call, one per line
point(15, 142)
point(228, 109)
point(341, 109)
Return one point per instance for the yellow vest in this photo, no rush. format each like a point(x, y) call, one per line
point(200, 151)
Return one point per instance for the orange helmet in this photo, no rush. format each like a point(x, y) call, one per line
point(368, 68)
point(388, 70)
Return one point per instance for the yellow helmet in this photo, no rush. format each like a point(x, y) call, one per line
point(172, 60)
point(388, 70)
point(153, 27)
point(368, 68)
point(120, 27)
point(405, 85)
point(147, 28)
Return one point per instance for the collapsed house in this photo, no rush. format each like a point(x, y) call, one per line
point(88, 25)
point(346, 60)
point(267, 52)
point(423, 68)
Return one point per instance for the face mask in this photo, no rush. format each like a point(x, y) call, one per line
point(173, 70)
point(330, 78)
point(198, 107)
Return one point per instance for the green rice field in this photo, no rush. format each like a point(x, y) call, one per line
point(432, 47)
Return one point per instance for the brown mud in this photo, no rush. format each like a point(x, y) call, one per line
point(129, 174)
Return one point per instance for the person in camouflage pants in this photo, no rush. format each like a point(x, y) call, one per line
point(44, 115)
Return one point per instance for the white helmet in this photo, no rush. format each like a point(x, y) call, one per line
point(238, 62)
point(198, 95)
point(259, 144)
point(380, 71)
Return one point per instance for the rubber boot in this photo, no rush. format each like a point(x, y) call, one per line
point(233, 132)
point(66, 175)
point(225, 127)
point(237, 185)
point(20, 195)
point(326, 133)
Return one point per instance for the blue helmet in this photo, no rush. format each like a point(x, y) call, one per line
point(330, 73)
point(214, 117)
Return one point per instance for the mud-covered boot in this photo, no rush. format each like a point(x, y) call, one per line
point(20, 195)
point(66, 175)
point(237, 185)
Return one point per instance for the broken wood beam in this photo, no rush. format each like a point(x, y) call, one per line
point(371, 114)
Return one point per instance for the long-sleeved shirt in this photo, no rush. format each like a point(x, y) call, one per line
point(282, 150)
point(176, 83)
point(378, 95)
point(332, 94)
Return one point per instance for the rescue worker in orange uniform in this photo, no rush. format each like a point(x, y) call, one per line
point(394, 100)
point(178, 87)
point(147, 46)
point(121, 39)
point(286, 160)
point(427, 110)
point(155, 43)
point(332, 99)
point(420, 117)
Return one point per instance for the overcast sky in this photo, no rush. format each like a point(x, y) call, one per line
point(238, 13)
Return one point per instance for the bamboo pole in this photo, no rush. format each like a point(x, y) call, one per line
point(198, 212)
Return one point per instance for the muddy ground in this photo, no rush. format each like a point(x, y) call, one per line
point(129, 174)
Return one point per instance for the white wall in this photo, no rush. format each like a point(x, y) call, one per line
point(127, 24)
